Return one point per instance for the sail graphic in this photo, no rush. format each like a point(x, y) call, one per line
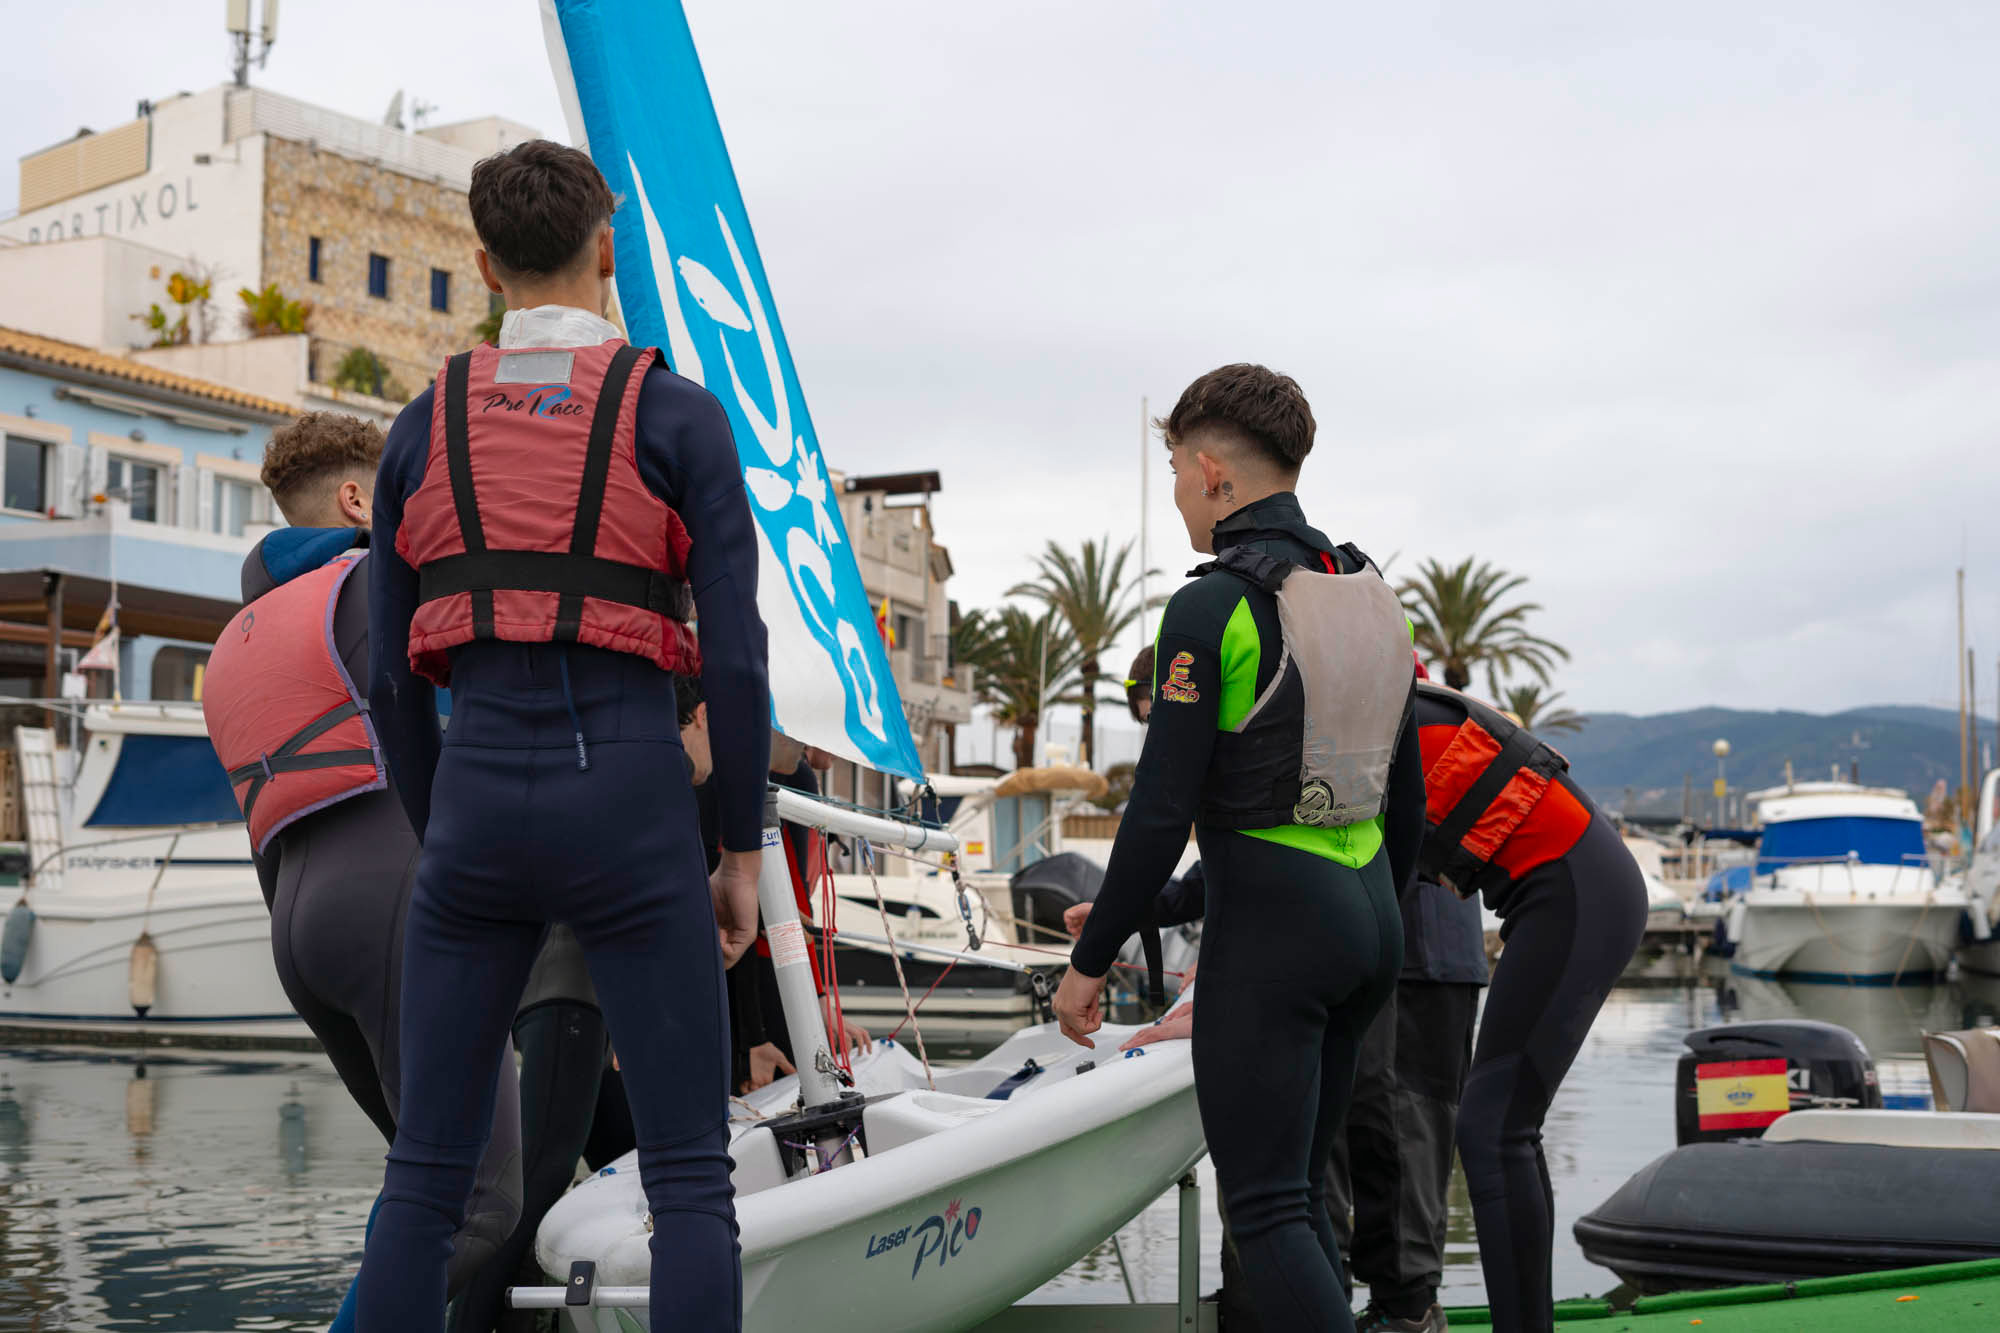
point(691, 283)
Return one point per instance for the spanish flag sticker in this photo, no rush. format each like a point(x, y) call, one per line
point(1741, 1094)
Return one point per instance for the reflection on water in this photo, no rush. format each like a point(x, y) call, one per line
point(219, 1191)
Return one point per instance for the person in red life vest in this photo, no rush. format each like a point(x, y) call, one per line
point(332, 845)
point(1504, 821)
point(551, 515)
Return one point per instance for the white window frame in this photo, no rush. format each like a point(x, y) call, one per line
point(56, 471)
point(213, 466)
point(162, 456)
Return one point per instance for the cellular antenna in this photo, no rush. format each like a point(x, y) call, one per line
point(236, 18)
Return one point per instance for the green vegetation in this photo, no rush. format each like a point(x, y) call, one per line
point(188, 294)
point(1535, 704)
point(1090, 591)
point(1024, 663)
point(361, 371)
point(1462, 624)
point(268, 314)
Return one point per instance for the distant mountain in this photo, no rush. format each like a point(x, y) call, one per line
point(1651, 757)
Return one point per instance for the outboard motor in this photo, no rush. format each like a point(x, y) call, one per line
point(1042, 892)
point(1734, 1080)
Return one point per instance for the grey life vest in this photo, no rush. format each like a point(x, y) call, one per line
point(1316, 746)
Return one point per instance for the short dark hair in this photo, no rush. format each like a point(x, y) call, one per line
point(1139, 683)
point(306, 458)
point(1266, 409)
point(537, 205)
point(687, 696)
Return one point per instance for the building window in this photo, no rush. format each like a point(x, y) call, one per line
point(141, 484)
point(440, 289)
point(378, 276)
point(312, 259)
point(176, 671)
point(27, 475)
point(232, 500)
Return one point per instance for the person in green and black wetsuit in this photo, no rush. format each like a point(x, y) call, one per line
point(1304, 938)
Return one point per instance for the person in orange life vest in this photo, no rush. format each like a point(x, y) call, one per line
point(551, 515)
point(332, 845)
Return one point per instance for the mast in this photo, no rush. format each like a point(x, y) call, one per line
point(1964, 752)
point(1145, 562)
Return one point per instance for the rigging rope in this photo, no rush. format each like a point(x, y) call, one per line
point(902, 984)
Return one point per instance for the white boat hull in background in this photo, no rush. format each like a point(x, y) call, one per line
point(965, 1206)
point(1780, 933)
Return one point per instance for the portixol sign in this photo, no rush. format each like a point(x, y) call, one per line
point(118, 210)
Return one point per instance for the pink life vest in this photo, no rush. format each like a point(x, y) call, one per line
point(286, 720)
point(532, 523)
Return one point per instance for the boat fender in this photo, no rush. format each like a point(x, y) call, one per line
point(14, 944)
point(143, 974)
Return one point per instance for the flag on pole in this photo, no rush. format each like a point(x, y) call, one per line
point(103, 655)
point(691, 282)
point(885, 624)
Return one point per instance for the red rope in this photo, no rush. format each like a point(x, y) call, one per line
point(920, 1003)
point(828, 974)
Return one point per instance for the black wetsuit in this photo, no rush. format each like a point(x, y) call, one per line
point(517, 835)
point(338, 883)
point(1572, 909)
point(1304, 936)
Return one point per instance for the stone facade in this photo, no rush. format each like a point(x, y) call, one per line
point(357, 210)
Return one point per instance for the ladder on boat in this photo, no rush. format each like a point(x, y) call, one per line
point(41, 803)
point(1186, 1314)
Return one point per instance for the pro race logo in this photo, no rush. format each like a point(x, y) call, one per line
point(547, 400)
point(942, 1236)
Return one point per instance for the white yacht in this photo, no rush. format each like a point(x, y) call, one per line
point(143, 920)
point(1843, 889)
point(1982, 885)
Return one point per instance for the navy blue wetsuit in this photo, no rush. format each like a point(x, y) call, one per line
point(516, 836)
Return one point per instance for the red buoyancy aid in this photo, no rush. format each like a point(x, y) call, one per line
point(532, 523)
point(286, 720)
point(1498, 803)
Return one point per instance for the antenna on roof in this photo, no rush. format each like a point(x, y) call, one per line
point(236, 18)
point(393, 117)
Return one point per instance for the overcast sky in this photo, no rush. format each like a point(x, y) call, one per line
point(1689, 313)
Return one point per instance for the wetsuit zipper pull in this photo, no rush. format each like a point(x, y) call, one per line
point(569, 702)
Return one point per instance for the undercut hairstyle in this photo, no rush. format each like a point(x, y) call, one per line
point(306, 461)
point(1139, 681)
point(537, 206)
point(1261, 409)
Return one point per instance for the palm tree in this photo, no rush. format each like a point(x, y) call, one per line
point(1089, 590)
point(1537, 711)
point(1461, 624)
point(1025, 663)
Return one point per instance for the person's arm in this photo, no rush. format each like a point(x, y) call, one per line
point(403, 704)
point(1183, 900)
point(688, 458)
point(1403, 813)
point(1166, 789)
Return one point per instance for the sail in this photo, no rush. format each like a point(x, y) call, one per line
point(691, 283)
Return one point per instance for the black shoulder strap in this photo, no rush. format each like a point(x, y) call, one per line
point(1355, 556)
point(458, 459)
point(596, 472)
point(1256, 568)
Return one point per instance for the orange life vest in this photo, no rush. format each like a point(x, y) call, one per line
point(288, 723)
point(1497, 801)
point(532, 523)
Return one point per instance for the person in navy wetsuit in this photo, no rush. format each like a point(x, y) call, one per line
point(544, 520)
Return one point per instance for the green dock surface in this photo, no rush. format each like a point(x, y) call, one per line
point(1946, 1296)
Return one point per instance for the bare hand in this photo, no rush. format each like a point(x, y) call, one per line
point(734, 889)
point(857, 1036)
point(817, 759)
point(767, 1062)
point(1079, 1006)
point(1073, 919)
point(1176, 1026)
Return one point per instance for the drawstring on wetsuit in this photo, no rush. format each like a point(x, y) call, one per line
point(576, 723)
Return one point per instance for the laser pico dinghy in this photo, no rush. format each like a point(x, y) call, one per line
point(912, 1199)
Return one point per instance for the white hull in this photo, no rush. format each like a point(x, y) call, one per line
point(964, 1206)
point(1881, 939)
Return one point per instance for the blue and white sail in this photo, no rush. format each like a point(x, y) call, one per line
point(690, 281)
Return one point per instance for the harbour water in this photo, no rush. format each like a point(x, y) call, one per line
point(211, 1191)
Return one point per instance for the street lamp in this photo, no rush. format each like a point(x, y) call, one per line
point(1721, 748)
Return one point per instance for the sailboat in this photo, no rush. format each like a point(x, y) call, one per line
point(894, 1196)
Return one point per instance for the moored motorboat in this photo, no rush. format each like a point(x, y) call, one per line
point(1843, 889)
point(147, 920)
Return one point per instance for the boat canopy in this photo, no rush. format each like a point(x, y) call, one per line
point(163, 780)
point(1870, 839)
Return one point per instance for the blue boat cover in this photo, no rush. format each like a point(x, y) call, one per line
point(1873, 840)
point(165, 780)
